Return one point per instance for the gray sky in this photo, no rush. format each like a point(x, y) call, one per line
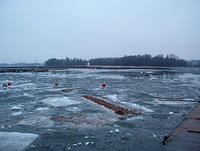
point(36, 30)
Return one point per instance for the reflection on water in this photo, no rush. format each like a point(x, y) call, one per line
point(67, 121)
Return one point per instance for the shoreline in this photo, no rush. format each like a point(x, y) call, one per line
point(16, 69)
point(46, 69)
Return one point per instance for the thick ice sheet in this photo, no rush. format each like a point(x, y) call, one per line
point(15, 141)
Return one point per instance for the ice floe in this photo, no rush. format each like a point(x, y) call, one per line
point(57, 75)
point(114, 77)
point(73, 109)
point(41, 121)
point(42, 108)
point(135, 118)
point(16, 108)
point(172, 102)
point(27, 85)
point(112, 97)
point(28, 95)
point(136, 106)
point(60, 101)
point(17, 113)
point(15, 141)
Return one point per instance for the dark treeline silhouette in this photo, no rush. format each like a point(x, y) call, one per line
point(194, 63)
point(141, 60)
point(135, 60)
point(53, 62)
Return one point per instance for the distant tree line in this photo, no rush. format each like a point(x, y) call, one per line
point(141, 60)
point(194, 63)
point(133, 60)
point(67, 62)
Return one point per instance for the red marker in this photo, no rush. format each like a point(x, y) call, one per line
point(103, 85)
point(9, 83)
point(56, 83)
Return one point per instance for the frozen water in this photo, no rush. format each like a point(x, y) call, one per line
point(33, 105)
point(60, 101)
point(42, 108)
point(172, 102)
point(16, 108)
point(136, 106)
point(17, 113)
point(135, 118)
point(15, 141)
point(112, 97)
point(41, 121)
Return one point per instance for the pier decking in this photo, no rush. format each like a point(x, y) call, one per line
point(186, 136)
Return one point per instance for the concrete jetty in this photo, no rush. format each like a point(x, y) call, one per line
point(186, 136)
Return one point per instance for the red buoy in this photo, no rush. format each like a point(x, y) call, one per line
point(56, 83)
point(103, 85)
point(9, 83)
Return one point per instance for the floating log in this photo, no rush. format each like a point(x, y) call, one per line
point(118, 110)
point(71, 89)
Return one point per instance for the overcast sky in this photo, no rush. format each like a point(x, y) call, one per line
point(36, 30)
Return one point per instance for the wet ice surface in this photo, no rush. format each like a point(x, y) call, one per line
point(67, 121)
point(12, 141)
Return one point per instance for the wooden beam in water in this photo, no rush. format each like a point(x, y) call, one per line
point(118, 110)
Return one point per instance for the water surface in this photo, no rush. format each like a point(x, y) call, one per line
point(67, 121)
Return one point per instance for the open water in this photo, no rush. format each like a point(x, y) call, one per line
point(35, 115)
